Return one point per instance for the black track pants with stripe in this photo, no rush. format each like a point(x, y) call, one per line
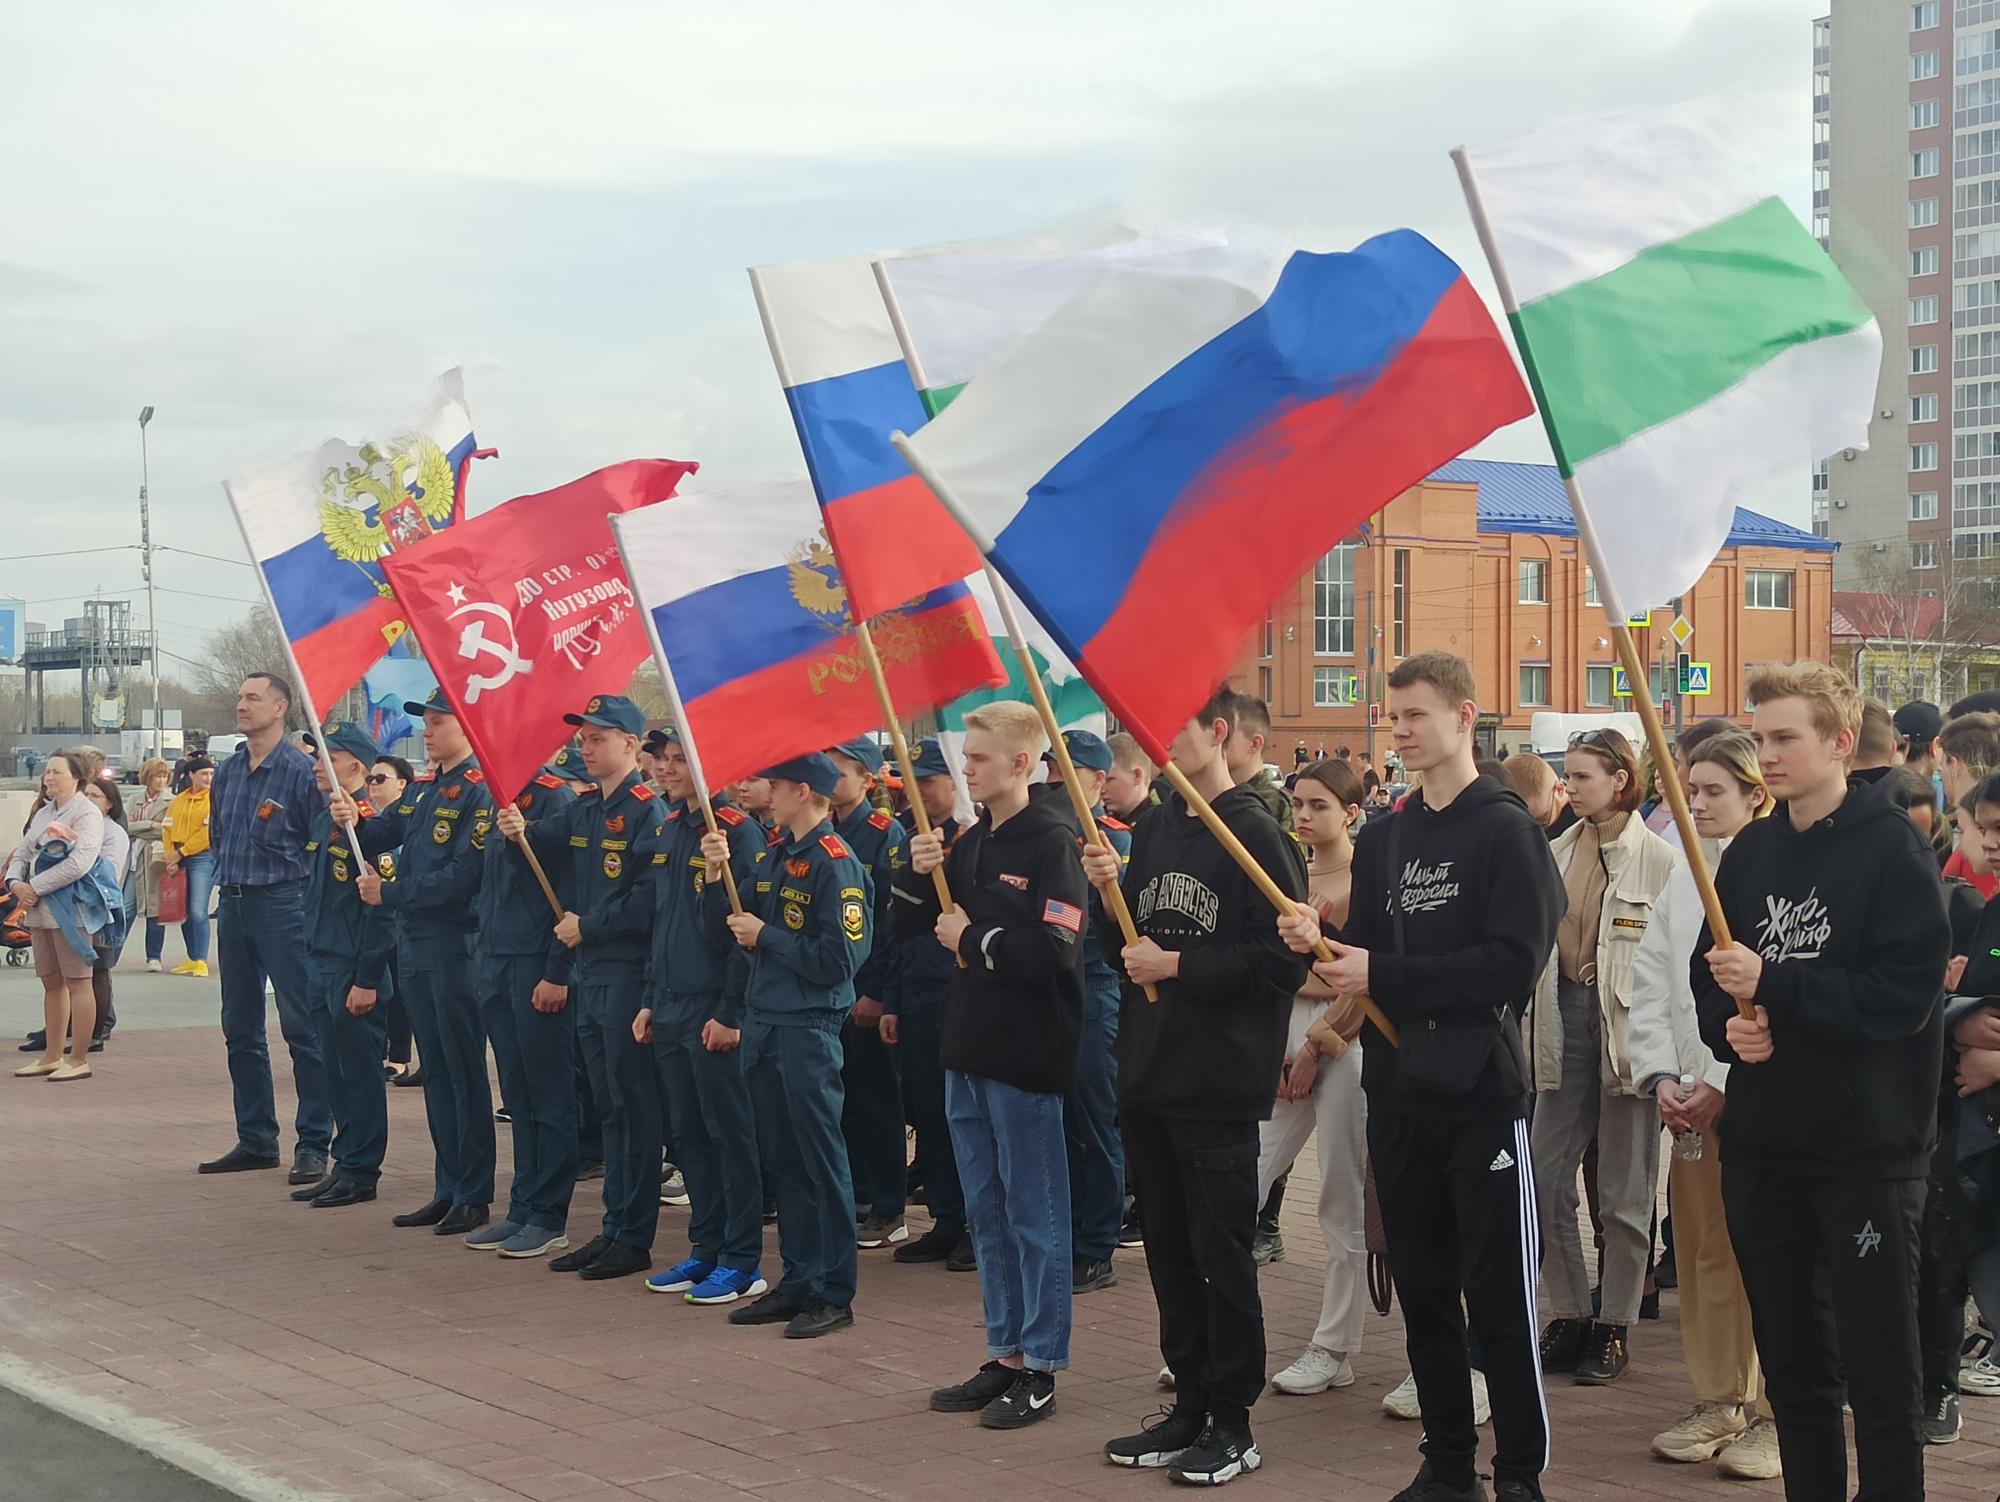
point(1458, 1207)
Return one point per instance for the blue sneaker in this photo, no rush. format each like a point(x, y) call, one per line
point(681, 1276)
point(725, 1286)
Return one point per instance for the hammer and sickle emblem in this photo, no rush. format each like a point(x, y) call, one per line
point(474, 643)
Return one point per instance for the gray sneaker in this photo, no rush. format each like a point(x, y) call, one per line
point(533, 1241)
point(489, 1236)
point(673, 1186)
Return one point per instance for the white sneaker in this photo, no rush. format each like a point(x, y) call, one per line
point(1754, 1457)
point(152, 967)
point(673, 1186)
point(1482, 1405)
point(1401, 1403)
point(1316, 1370)
point(1981, 1379)
point(1708, 1429)
point(1167, 1378)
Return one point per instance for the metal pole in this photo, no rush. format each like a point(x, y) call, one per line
point(146, 563)
point(1368, 675)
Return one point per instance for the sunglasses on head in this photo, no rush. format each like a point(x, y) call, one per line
point(1593, 738)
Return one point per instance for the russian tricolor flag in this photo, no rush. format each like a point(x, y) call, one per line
point(318, 525)
point(1152, 467)
point(749, 619)
point(849, 389)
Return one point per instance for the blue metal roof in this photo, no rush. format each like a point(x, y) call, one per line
point(1530, 498)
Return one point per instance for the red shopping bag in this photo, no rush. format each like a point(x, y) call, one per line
point(173, 897)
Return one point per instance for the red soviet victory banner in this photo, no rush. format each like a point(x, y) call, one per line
point(524, 613)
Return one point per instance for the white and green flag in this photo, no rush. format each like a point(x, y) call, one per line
point(1686, 337)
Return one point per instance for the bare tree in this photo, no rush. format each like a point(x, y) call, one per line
point(1929, 625)
point(251, 645)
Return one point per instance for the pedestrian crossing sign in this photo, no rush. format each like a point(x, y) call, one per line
point(1697, 679)
point(1621, 687)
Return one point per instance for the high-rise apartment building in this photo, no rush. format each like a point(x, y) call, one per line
point(1906, 198)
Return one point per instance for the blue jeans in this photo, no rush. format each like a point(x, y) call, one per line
point(536, 1055)
point(200, 871)
point(156, 938)
point(794, 1073)
point(715, 1136)
point(352, 1049)
point(263, 936)
point(627, 1092)
point(1015, 1172)
point(436, 975)
point(1090, 1128)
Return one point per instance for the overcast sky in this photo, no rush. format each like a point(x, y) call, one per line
point(277, 223)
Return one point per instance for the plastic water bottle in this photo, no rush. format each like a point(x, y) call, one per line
point(1687, 1145)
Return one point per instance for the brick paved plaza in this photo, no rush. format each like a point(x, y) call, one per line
point(288, 1352)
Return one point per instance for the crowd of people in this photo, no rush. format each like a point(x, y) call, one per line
point(1494, 1006)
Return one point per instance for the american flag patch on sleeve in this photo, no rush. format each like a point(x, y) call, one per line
point(1063, 915)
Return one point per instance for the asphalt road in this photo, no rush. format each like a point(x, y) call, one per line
point(54, 1459)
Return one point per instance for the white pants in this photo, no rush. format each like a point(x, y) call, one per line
point(1338, 1111)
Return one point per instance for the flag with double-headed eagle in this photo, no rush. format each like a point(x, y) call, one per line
point(750, 620)
point(319, 525)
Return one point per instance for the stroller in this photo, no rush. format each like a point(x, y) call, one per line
point(15, 939)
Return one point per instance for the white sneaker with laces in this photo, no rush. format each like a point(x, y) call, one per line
point(1754, 1457)
point(1316, 1370)
point(1708, 1429)
point(1482, 1405)
point(152, 967)
point(1981, 1379)
point(1401, 1402)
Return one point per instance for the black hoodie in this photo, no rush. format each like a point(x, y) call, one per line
point(1015, 1012)
point(1213, 1044)
point(1850, 921)
point(1481, 899)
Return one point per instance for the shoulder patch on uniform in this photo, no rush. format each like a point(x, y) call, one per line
point(473, 774)
point(777, 837)
point(831, 844)
point(643, 792)
point(673, 814)
point(1105, 821)
point(729, 814)
point(880, 820)
point(544, 780)
point(427, 776)
point(364, 808)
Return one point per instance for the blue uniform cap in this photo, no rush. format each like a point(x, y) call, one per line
point(863, 750)
point(612, 712)
point(1086, 749)
point(929, 760)
point(815, 769)
point(345, 735)
point(568, 765)
point(434, 703)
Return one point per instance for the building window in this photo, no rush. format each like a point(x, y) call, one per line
point(1597, 686)
point(1270, 637)
point(1590, 596)
point(1923, 506)
point(1923, 65)
point(1923, 409)
point(1400, 642)
point(1822, 180)
point(1333, 602)
point(1923, 114)
point(1534, 588)
point(1923, 359)
point(1924, 15)
point(1923, 213)
point(1534, 683)
point(1336, 686)
point(1264, 684)
point(1923, 310)
point(1767, 589)
point(1923, 555)
point(1923, 457)
point(1881, 685)
point(1924, 262)
point(1924, 163)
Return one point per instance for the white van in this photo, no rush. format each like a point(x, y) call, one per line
point(1549, 733)
point(222, 747)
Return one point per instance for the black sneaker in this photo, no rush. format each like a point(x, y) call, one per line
point(1093, 1273)
point(582, 1257)
point(502, 1114)
point(1605, 1359)
point(1031, 1396)
point(1268, 1247)
point(1513, 1489)
point(1160, 1440)
point(819, 1318)
point(619, 1259)
point(773, 1308)
point(1666, 1272)
point(962, 1259)
point(933, 1246)
point(1563, 1343)
point(590, 1168)
point(973, 1394)
point(1130, 1232)
point(1941, 1422)
point(1224, 1452)
point(1431, 1487)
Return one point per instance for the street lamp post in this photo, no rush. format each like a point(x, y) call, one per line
point(146, 566)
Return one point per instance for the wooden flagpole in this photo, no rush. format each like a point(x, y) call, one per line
point(1614, 606)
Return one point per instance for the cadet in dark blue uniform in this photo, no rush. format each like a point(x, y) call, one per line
point(910, 1022)
point(873, 1120)
point(568, 765)
point(441, 825)
point(1090, 1110)
point(804, 935)
point(524, 987)
point(347, 976)
point(610, 833)
point(694, 1017)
